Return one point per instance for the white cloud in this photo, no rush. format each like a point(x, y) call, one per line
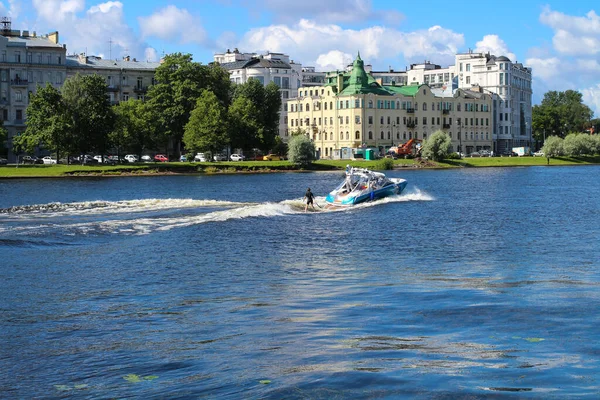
point(496, 46)
point(307, 40)
point(573, 35)
point(172, 23)
point(333, 60)
point(591, 97)
point(332, 11)
point(58, 10)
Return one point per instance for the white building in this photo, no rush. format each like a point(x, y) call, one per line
point(26, 61)
point(271, 67)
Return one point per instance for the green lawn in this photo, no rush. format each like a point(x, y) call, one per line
point(31, 171)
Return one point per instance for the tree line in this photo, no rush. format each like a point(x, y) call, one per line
point(191, 107)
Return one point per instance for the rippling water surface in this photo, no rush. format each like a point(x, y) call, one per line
point(478, 283)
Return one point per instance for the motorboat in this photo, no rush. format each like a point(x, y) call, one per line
point(361, 184)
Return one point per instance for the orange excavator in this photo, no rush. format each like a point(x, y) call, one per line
point(407, 148)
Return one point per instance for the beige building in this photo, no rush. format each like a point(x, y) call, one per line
point(26, 61)
point(352, 110)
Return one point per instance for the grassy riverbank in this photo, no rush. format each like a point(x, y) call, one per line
point(39, 171)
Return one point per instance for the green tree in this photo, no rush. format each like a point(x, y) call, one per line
point(437, 146)
point(92, 117)
point(135, 128)
point(207, 128)
point(3, 139)
point(48, 123)
point(553, 146)
point(301, 150)
point(179, 83)
point(578, 144)
point(255, 115)
point(559, 114)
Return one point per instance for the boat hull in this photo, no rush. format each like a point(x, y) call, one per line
point(360, 196)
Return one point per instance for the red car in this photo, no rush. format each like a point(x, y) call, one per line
point(161, 158)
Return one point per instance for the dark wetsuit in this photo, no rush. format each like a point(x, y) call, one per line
point(309, 197)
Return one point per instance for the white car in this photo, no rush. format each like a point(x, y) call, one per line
point(146, 158)
point(49, 160)
point(200, 157)
point(538, 153)
point(220, 157)
point(132, 158)
point(236, 157)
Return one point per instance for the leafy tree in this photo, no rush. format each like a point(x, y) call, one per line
point(553, 146)
point(437, 146)
point(207, 129)
point(135, 128)
point(180, 81)
point(301, 150)
point(576, 144)
point(255, 115)
point(48, 122)
point(3, 139)
point(560, 113)
point(92, 117)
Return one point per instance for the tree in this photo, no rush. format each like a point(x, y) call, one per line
point(48, 122)
point(553, 146)
point(578, 144)
point(179, 83)
point(207, 128)
point(92, 118)
point(559, 114)
point(135, 129)
point(255, 115)
point(437, 146)
point(301, 150)
point(3, 139)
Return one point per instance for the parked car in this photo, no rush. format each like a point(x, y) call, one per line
point(236, 157)
point(485, 153)
point(31, 160)
point(475, 154)
point(183, 158)
point(200, 157)
point(131, 158)
point(49, 160)
point(3, 161)
point(161, 158)
point(146, 158)
point(538, 153)
point(220, 157)
point(272, 157)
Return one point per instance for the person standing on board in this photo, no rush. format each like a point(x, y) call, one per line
point(309, 197)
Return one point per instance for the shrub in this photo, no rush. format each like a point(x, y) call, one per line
point(576, 145)
point(553, 146)
point(301, 150)
point(384, 164)
point(437, 146)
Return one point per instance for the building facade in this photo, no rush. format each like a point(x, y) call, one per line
point(271, 67)
point(26, 61)
point(353, 110)
point(126, 79)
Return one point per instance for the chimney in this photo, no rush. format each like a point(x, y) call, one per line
point(53, 37)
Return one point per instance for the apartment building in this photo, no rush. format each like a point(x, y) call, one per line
point(354, 110)
point(271, 67)
point(126, 78)
point(26, 61)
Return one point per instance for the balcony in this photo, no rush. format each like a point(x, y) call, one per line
point(140, 89)
point(410, 110)
point(445, 112)
point(113, 88)
point(446, 126)
point(411, 125)
point(19, 82)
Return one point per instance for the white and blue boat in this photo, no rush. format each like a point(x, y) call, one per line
point(361, 185)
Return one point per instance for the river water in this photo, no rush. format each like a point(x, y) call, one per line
point(478, 283)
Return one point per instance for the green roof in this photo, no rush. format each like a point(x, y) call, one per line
point(360, 82)
point(409, 90)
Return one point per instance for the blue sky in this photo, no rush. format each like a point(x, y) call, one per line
point(560, 40)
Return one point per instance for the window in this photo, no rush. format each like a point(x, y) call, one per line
point(356, 103)
point(140, 82)
point(468, 80)
point(18, 96)
point(17, 56)
point(370, 104)
point(19, 115)
point(357, 119)
point(370, 120)
point(307, 107)
point(381, 136)
point(381, 120)
point(357, 135)
point(468, 66)
point(347, 120)
point(424, 120)
point(424, 106)
point(125, 96)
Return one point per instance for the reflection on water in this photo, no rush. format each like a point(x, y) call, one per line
point(470, 284)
